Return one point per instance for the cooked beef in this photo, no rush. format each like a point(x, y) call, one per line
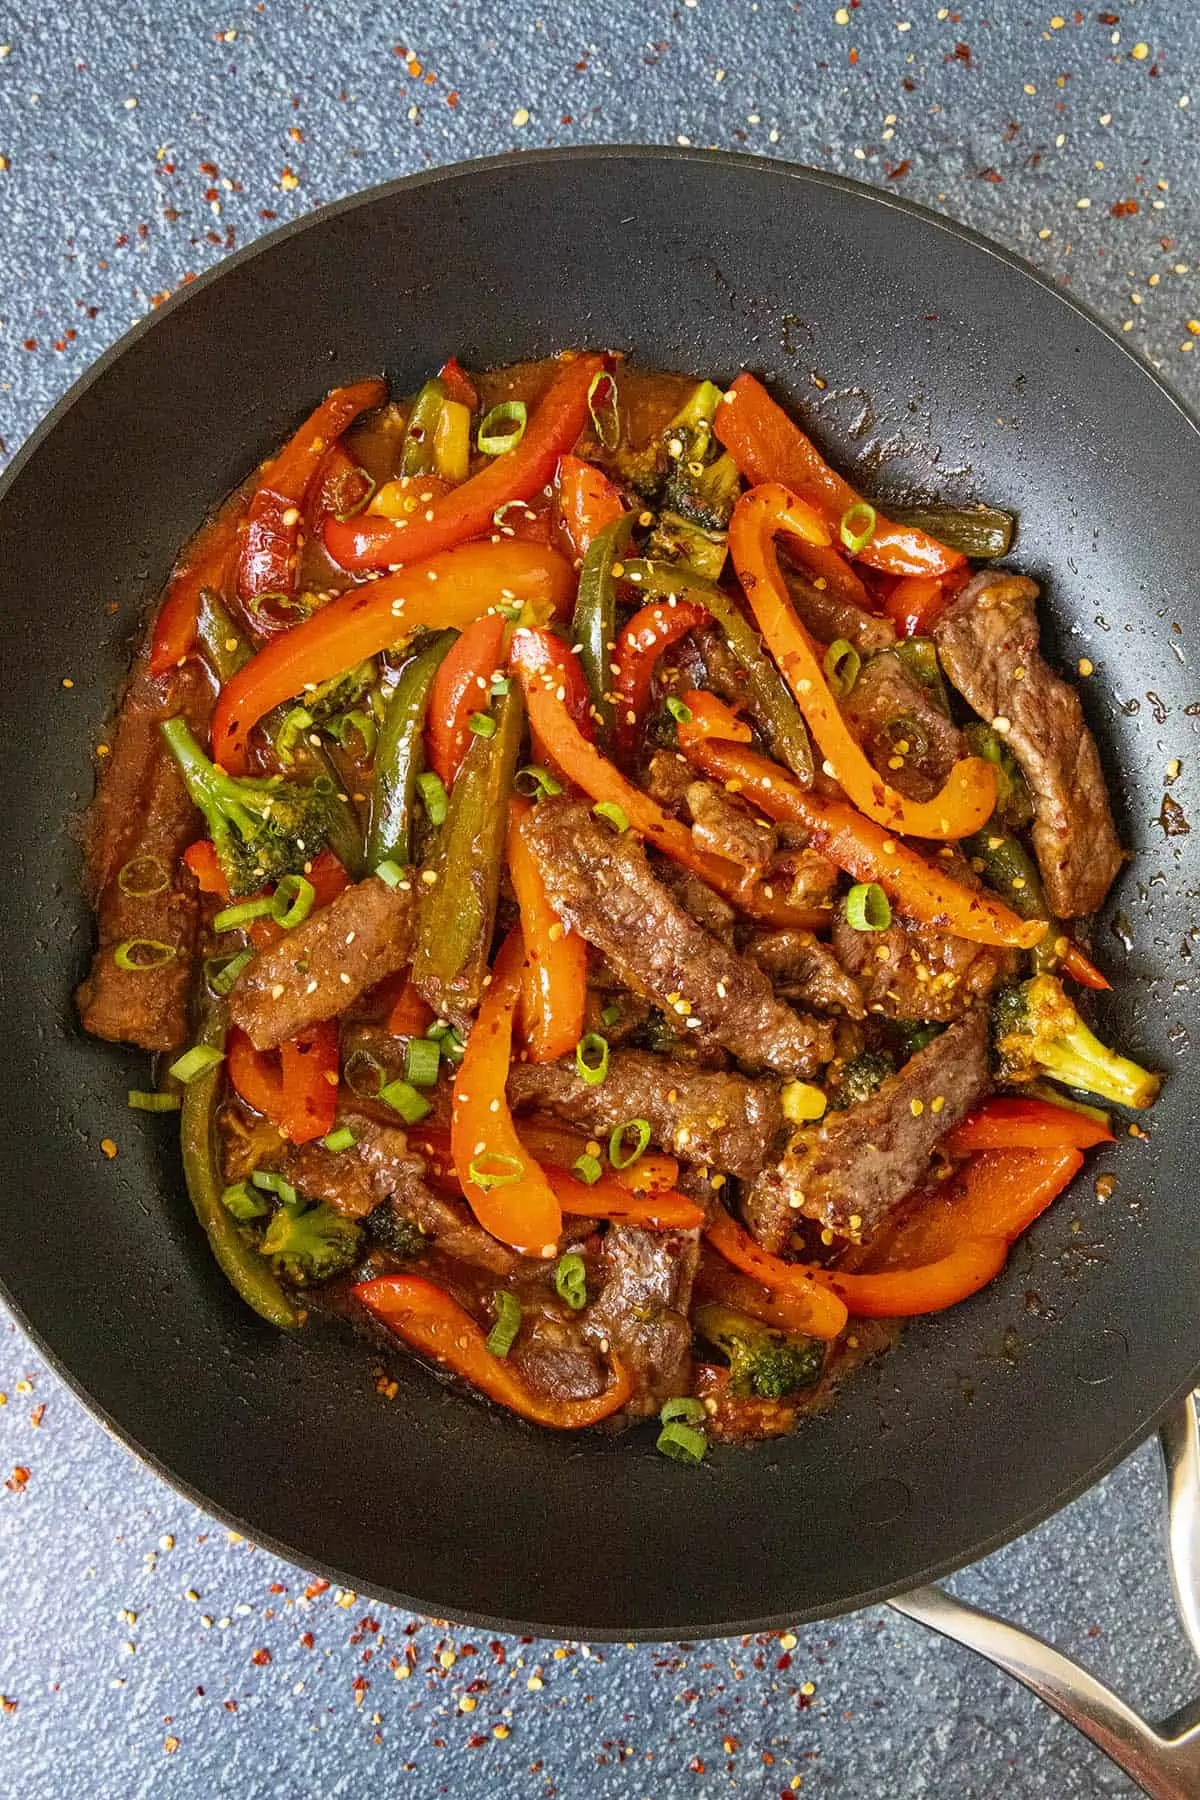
point(800, 875)
point(340, 1177)
point(724, 828)
point(850, 1170)
point(802, 968)
point(320, 967)
point(641, 1310)
point(829, 618)
point(140, 823)
point(397, 1179)
point(668, 778)
point(706, 906)
point(601, 885)
point(988, 642)
point(552, 1354)
point(902, 728)
point(722, 1121)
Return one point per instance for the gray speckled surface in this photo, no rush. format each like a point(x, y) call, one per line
point(143, 1652)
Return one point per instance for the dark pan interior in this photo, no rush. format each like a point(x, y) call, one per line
point(948, 367)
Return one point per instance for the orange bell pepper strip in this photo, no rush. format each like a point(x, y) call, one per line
point(654, 1172)
point(829, 569)
point(1017, 1123)
point(655, 1209)
point(810, 1297)
point(554, 984)
point(450, 589)
point(919, 889)
point(767, 445)
point(538, 658)
point(429, 1320)
point(370, 542)
point(908, 1293)
point(270, 548)
point(643, 1194)
point(587, 501)
point(1079, 966)
point(296, 1087)
point(968, 797)
point(639, 646)
point(210, 566)
point(504, 1186)
point(409, 1015)
point(460, 688)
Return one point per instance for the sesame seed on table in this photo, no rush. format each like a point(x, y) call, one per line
point(144, 1649)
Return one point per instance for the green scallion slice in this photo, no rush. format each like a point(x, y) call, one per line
point(142, 1100)
point(390, 872)
point(501, 684)
point(570, 1281)
point(841, 664)
point(196, 1061)
point(404, 1099)
point(272, 1182)
point(868, 907)
point(143, 876)
point(502, 1170)
point(857, 527)
point(679, 710)
point(432, 790)
point(341, 1139)
point(293, 901)
point(616, 1143)
point(482, 724)
point(610, 1015)
point(502, 428)
point(682, 1410)
point(241, 1200)
point(138, 954)
point(535, 782)
point(222, 971)
point(682, 1443)
point(587, 1168)
point(421, 1062)
point(344, 725)
point(501, 1337)
point(614, 814)
point(232, 918)
point(591, 1058)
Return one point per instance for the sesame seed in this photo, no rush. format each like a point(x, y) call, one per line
point(916, 1108)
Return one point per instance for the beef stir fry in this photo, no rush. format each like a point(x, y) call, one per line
point(604, 899)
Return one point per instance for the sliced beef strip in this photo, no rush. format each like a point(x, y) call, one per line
point(721, 1121)
point(142, 811)
point(641, 1311)
point(902, 728)
point(601, 885)
point(319, 968)
point(800, 875)
point(988, 642)
point(397, 1179)
point(706, 906)
point(726, 829)
point(803, 968)
point(829, 618)
point(849, 1171)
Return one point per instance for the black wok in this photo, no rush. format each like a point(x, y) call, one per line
point(949, 367)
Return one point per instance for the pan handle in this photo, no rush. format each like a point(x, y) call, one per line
point(1163, 1759)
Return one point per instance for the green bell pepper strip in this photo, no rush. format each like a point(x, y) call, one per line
point(416, 452)
point(1014, 803)
point(457, 913)
point(766, 695)
point(243, 1266)
point(399, 754)
point(981, 532)
point(226, 647)
point(1010, 871)
point(594, 626)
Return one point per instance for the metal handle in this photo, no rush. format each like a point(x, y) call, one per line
point(1163, 1759)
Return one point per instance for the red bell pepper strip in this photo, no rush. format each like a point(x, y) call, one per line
point(201, 858)
point(339, 487)
point(450, 589)
point(174, 636)
point(270, 550)
point(813, 1301)
point(587, 501)
point(1017, 1123)
point(919, 889)
point(1075, 963)
point(409, 1014)
point(828, 569)
point(554, 983)
point(326, 874)
point(552, 1143)
point(656, 1209)
point(540, 660)
point(431, 1321)
point(769, 446)
point(505, 1188)
point(932, 1287)
point(458, 384)
point(639, 646)
point(968, 796)
point(296, 1087)
point(462, 687)
point(369, 542)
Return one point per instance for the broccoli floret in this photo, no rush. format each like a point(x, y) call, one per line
point(700, 489)
point(393, 1232)
point(310, 1243)
point(339, 693)
point(914, 1034)
point(262, 827)
point(764, 1362)
point(1037, 1031)
point(859, 1078)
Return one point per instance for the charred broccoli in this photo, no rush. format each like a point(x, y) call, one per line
point(394, 1232)
point(310, 1243)
point(262, 827)
point(699, 492)
point(859, 1078)
point(764, 1362)
point(1037, 1031)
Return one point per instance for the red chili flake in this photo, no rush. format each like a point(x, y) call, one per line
point(265, 212)
point(261, 1657)
point(31, 343)
point(768, 1759)
point(38, 1414)
point(231, 1706)
point(853, 59)
point(567, 119)
point(1123, 209)
point(900, 171)
point(475, 1742)
point(1109, 18)
point(452, 97)
point(8, 1705)
point(209, 168)
point(989, 175)
point(962, 54)
point(696, 1766)
point(212, 193)
point(360, 1684)
point(730, 1744)
point(17, 1479)
point(784, 1661)
point(277, 1587)
point(307, 1639)
point(314, 1588)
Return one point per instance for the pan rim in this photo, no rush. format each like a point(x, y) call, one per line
point(754, 167)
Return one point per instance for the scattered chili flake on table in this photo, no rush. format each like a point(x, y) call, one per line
point(18, 1479)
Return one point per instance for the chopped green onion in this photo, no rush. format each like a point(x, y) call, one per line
point(344, 724)
point(288, 603)
point(136, 954)
point(683, 1410)
point(291, 731)
point(857, 527)
point(233, 917)
point(482, 724)
point(272, 1182)
point(679, 710)
point(241, 1200)
point(615, 815)
point(498, 521)
point(293, 901)
point(842, 663)
point(592, 1045)
point(570, 1281)
point(403, 1098)
point(196, 1061)
point(141, 1101)
point(222, 971)
point(507, 1169)
point(602, 404)
point(341, 1139)
point(867, 907)
point(450, 1042)
point(421, 1062)
point(641, 1127)
point(500, 685)
point(433, 797)
point(390, 872)
point(610, 1015)
point(535, 781)
point(155, 877)
point(359, 504)
point(503, 428)
point(587, 1168)
point(508, 1322)
point(682, 1443)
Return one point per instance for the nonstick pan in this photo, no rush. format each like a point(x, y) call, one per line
point(927, 361)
